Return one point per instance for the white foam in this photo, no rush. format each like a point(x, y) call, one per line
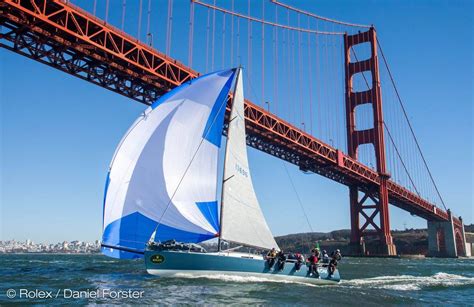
point(240, 279)
point(410, 282)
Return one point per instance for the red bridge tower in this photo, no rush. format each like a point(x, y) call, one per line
point(375, 136)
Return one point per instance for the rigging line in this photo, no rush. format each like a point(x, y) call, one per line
point(318, 16)
point(297, 196)
point(409, 124)
point(250, 18)
point(223, 104)
point(250, 85)
point(389, 134)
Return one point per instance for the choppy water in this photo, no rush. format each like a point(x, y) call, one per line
point(367, 281)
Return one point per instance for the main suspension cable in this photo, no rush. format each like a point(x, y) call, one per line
point(389, 134)
point(250, 18)
point(409, 124)
point(292, 8)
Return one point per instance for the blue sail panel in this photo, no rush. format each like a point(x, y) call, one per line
point(165, 165)
point(210, 211)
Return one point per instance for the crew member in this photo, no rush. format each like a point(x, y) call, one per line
point(325, 256)
point(336, 256)
point(271, 257)
point(299, 261)
point(313, 265)
point(281, 260)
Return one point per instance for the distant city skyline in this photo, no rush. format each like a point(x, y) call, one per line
point(58, 133)
point(29, 246)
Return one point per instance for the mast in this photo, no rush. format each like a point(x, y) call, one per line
point(219, 241)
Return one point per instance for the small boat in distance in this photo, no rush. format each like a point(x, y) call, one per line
point(162, 188)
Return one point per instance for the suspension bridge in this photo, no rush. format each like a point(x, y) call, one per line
point(314, 89)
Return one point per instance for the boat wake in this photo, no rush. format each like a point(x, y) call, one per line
point(410, 282)
point(241, 279)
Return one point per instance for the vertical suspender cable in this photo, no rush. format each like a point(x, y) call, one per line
point(213, 36)
point(170, 27)
point(293, 84)
point(148, 33)
point(223, 41)
point(232, 37)
point(207, 38)
point(249, 45)
point(310, 79)
point(191, 34)
point(107, 3)
point(336, 102)
point(94, 11)
point(139, 26)
point(263, 53)
point(239, 56)
point(300, 78)
point(318, 82)
point(124, 8)
point(276, 63)
point(288, 75)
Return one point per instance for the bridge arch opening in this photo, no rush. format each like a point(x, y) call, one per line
point(362, 81)
point(366, 155)
point(364, 116)
point(361, 52)
point(459, 243)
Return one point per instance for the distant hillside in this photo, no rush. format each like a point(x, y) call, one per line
point(469, 228)
point(408, 242)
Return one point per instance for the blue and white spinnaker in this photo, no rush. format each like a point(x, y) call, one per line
point(164, 170)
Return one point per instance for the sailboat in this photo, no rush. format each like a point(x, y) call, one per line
point(161, 193)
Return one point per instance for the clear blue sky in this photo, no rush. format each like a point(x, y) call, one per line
point(58, 133)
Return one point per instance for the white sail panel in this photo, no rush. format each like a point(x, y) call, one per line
point(242, 219)
point(164, 172)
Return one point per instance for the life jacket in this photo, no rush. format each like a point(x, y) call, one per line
point(313, 259)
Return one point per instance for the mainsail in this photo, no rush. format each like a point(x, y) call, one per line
point(242, 220)
point(163, 175)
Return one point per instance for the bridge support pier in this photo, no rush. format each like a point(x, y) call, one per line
point(445, 239)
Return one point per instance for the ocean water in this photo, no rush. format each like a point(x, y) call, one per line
point(366, 281)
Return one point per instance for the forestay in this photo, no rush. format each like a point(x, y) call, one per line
point(242, 219)
point(164, 172)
